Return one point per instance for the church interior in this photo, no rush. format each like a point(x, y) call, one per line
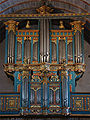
point(44, 60)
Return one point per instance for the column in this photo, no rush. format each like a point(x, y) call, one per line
point(65, 93)
point(25, 91)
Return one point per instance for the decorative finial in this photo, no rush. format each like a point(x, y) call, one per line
point(25, 61)
point(27, 25)
point(44, 9)
point(61, 25)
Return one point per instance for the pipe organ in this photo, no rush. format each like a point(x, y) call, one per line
point(45, 63)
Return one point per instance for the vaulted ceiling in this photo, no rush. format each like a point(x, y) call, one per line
point(30, 6)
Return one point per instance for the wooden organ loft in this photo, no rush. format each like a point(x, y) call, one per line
point(45, 59)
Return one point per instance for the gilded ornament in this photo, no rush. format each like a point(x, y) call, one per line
point(54, 88)
point(19, 39)
point(54, 78)
point(62, 38)
point(69, 41)
point(11, 25)
point(28, 24)
point(44, 10)
point(54, 41)
point(27, 38)
point(35, 89)
point(77, 26)
point(34, 41)
point(12, 103)
point(61, 26)
point(78, 103)
point(25, 74)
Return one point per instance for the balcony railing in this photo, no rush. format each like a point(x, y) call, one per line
point(9, 103)
point(80, 103)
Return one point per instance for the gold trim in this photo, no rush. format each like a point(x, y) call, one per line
point(28, 24)
point(19, 39)
point(27, 38)
point(11, 25)
point(61, 26)
point(77, 26)
point(44, 10)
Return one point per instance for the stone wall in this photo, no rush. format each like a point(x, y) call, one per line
point(6, 85)
point(83, 85)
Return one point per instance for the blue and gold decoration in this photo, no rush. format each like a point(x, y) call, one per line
point(45, 64)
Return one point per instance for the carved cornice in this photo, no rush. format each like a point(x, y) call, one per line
point(40, 67)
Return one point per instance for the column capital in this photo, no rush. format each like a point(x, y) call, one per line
point(77, 26)
point(11, 25)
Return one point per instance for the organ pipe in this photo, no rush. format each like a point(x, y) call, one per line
point(69, 45)
point(65, 92)
point(61, 50)
point(77, 27)
point(49, 95)
point(54, 52)
point(11, 46)
point(19, 51)
point(27, 50)
point(44, 40)
point(25, 92)
point(35, 51)
point(11, 27)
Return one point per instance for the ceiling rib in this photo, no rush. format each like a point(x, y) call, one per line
point(20, 10)
point(40, 0)
point(25, 2)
